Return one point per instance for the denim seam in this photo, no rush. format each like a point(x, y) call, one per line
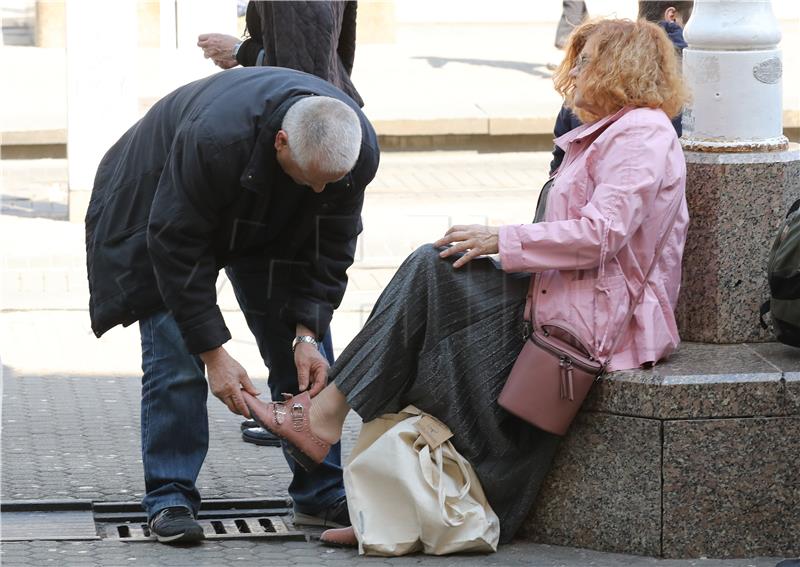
point(146, 439)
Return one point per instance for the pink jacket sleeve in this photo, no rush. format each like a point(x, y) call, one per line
point(628, 166)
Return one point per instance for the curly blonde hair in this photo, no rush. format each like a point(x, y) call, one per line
point(635, 64)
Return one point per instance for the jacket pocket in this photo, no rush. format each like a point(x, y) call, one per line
point(591, 311)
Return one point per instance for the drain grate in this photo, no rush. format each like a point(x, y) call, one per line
point(74, 520)
point(270, 527)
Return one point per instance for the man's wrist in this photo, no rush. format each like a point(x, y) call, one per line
point(209, 356)
point(308, 339)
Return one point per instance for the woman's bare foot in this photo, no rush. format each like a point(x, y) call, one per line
point(328, 412)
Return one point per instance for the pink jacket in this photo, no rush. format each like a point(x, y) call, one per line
point(605, 214)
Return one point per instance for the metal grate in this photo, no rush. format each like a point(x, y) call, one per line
point(270, 527)
point(126, 521)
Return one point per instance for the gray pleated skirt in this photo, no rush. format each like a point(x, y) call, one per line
point(445, 340)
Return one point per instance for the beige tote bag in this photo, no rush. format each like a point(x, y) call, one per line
point(409, 490)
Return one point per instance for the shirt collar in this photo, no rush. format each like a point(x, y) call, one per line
point(586, 130)
point(263, 167)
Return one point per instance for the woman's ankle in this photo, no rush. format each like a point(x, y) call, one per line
point(328, 410)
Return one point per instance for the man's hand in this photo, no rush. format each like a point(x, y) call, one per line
point(219, 48)
point(475, 239)
point(226, 379)
point(312, 369)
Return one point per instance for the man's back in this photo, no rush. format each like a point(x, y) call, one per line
point(204, 155)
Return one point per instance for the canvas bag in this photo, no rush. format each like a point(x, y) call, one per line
point(409, 490)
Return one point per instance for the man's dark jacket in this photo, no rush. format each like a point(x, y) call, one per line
point(195, 184)
point(318, 37)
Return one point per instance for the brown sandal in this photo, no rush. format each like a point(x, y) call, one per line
point(289, 420)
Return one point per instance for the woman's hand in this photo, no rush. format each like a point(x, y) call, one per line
point(219, 48)
point(474, 239)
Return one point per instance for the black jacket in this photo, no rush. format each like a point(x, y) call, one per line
point(195, 185)
point(312, 36)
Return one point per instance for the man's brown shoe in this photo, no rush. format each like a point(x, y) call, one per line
point(289, 420)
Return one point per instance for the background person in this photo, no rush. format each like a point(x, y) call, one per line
point(191, 188)
point(445, 340)
point(316, 36)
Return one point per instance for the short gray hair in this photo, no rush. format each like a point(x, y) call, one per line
point(323, 131)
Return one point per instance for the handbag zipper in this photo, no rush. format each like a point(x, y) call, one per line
point(570, 331)
point(553, 350)
point(567, 391)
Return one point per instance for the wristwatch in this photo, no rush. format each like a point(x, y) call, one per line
point(304, 339)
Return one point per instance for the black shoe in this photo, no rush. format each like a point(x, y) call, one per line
point(176, 524)
point(248, 424)
point(260, 436)
point(336, 516)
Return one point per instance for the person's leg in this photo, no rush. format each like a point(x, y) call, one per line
point(426, 301)
point(174, 418)
point(312, 491)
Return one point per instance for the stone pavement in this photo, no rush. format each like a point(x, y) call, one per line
point(70, 401)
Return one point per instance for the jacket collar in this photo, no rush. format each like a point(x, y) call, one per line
point(592, 129)
point(263, 168)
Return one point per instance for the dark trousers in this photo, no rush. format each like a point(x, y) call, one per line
point(174, 418)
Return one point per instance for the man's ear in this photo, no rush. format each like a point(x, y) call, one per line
point(670, 14)
point(281, 140)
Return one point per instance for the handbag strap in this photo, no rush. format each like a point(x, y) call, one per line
point(529, 303)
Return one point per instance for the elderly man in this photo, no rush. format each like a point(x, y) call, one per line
point(262, 172)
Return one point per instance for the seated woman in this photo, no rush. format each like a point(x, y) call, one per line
point(447, 329)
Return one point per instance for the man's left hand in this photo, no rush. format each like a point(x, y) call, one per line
point(474, 239)
point(312, 368)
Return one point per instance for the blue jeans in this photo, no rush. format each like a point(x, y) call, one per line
point(174, 418)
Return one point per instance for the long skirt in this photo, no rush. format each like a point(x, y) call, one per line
point(444, 340)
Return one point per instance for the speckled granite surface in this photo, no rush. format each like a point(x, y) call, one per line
point(718, 424)
point(736, 203)
point(732, 487)
point(604, 491)
point(704, 380)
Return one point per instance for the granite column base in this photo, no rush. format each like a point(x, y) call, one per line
point(736, 204)
point(697, 457)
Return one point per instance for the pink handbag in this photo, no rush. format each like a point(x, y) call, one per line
point(554, 370)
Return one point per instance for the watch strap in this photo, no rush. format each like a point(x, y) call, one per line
point(304, 339)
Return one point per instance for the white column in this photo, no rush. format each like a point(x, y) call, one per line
point(102, 95)
point(734, 69)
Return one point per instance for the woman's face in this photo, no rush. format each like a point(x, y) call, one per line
point(579, 75)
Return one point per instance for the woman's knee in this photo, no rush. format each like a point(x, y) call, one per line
point(427, 254)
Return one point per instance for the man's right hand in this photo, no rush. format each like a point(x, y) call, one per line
point(219, 48)
point(226, 379)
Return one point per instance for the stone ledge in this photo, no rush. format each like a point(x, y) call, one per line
point(705, 381)
point(696, 457)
